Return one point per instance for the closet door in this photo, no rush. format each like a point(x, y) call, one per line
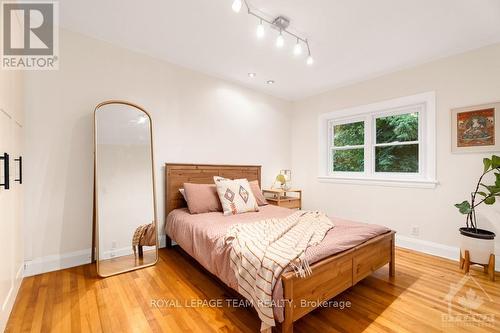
point(6, 221)
point(11, 213)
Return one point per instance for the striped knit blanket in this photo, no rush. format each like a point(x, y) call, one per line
point(262, 250)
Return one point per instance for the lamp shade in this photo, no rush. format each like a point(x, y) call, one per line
point(287, 174)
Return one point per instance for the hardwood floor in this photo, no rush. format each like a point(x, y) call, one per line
point(161, 299)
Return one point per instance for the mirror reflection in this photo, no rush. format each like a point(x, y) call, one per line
point(125, 199)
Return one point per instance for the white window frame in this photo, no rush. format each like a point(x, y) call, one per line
point(426, 176)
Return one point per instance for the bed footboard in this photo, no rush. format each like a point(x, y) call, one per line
point(334, 275)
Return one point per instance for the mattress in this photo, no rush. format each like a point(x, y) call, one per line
point(202, 237)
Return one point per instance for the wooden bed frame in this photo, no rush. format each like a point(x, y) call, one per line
point(330, 277)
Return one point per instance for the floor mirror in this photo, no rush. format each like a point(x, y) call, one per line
point(125, 219)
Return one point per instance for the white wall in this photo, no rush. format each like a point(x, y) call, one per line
point(467, 79)
point(197, 119)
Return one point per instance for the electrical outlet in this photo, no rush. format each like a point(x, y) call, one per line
point(113, 244)
point(415, 230)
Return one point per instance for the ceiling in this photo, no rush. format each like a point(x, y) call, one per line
point(351, 40)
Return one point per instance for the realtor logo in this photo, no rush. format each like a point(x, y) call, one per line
point(30, 36)
point(464, 300)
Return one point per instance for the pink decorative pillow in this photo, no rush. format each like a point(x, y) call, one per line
point(202, 198)
point(257, 193)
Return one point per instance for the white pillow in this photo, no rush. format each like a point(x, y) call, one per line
point(236, 196)
point(183, 193)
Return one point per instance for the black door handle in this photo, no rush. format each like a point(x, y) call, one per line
point(6, 181)
point(20, 160)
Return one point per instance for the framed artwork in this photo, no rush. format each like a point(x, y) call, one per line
point(476, 128)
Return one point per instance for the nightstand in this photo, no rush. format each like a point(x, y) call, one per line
point(279, 197)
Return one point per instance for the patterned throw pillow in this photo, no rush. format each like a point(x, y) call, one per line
point(235, 196)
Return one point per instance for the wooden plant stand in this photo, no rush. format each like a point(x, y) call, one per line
point(488, 268)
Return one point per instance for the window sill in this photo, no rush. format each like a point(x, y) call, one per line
point(409, 183)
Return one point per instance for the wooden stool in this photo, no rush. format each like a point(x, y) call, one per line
point(488, 268)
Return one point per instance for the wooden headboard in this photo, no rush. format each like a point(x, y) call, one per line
point(178, 174)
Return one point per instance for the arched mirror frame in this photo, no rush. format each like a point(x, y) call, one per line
point(95, 227)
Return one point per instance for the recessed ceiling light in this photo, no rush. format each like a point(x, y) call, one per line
point(252, 75)
point(270, 81)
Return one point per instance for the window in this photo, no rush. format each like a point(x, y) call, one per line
point(391, 142)
point(348, 146)
point(396, 144)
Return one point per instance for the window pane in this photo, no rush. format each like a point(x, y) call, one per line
point(351, 134)
point(400, 128)
point(349, 160)
point(403, 158)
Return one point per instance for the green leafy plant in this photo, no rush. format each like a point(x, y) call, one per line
point(483, 193)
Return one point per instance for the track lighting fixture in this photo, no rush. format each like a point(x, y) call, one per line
point(281, 24)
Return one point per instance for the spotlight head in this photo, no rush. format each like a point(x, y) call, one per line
point(310, 60)
point(297, 49)
point(280, 41)
point(260, 30)
point(237, 4)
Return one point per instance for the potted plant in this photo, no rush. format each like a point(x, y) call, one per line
point(480, 242)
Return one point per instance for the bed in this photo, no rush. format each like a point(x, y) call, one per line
point(349, 252)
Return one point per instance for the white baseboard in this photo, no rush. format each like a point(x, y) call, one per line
point(66, 260)
point(56, 262)
point(435, 249)
point(124, 251)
